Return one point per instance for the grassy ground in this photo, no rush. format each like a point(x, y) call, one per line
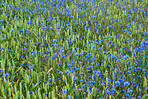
point(73, 49)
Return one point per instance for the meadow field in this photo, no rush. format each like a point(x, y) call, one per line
point(73, 49)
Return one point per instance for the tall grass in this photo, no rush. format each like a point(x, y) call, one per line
point(74, 49)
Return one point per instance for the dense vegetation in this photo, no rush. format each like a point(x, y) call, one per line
point(73, 49)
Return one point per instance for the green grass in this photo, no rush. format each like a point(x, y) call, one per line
point(60, 49)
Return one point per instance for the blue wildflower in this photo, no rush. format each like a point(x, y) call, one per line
point(121, 80)
point(12, 30)
point(3, 38)
point(112, 93)
point(130, 91)
point(127, 95)
point(49, 79)
point(19, 96)
point(110, 26)
point(60, 72)
point(126, 83)
point(12, 83)
point(139, 97)
point(73, 51)
point(2, 47)
point(81, 80)
point(128, 72)
point(100, 48)
point(54, 40)
point(1, 70)
point(3, 90)
point(30, 67)
point(9, 50)
point(125, 57)
point(107, 91)
point(123, 91)
point(64, 91)
point(93, 46)
point(117, 83)
point(6, 75)
point(83, 86)
point(31, 92)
